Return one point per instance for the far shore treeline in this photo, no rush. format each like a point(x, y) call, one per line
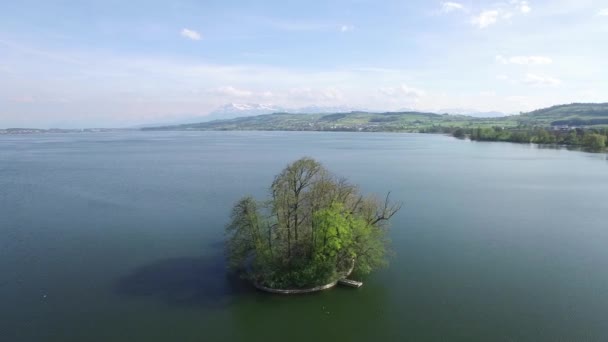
point(593, 140)
point(579, 124)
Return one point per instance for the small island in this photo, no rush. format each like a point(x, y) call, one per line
point(313, 232)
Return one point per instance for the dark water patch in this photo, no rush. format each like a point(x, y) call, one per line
point(187, 281)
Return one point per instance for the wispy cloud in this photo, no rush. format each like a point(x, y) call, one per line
point(190, 34)
point(501, 11)
point(485, 19)
point(240, 93)
point(231, 91)
point(315, 95)
point(487, 93)
point(403, 90)
point(538, 80)
point(346, 28)
point(532, 80)
point(522, 6)
point(448, 6)
point(603, 12)
point(524, 60)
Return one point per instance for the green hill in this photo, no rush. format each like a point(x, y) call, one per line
point(352, 121)
point(577, 114)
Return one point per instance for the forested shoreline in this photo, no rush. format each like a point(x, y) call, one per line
point(589, 139)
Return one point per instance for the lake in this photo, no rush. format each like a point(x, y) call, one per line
point(118, 237)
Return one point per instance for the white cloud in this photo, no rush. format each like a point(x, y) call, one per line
point(402, 91)
point(240, 93)
point(531, 79)
point(537, 80)
point(485, 19)
point(501, 59)
point(332, 94)
point(501, 11)
point(507, 15)
point(190, 34)
point(521, 6)
point(447, 7)
point(524, 60)
point(232, 91)
point(524, 7)
point(315, 95)
point(603, 12)
point(149, 85)
point(346, 28)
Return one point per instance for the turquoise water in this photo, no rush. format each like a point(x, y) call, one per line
point(118, 237)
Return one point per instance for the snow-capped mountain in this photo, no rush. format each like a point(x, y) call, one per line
point(236, 110)
point(471, 112)
point(323, 110)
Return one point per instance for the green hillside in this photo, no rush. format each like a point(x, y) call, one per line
point(352, 121)
point(576, 114)
point(579, 115)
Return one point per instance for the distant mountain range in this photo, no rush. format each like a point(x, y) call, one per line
point(237, 110)
point(586, 115)
point(240, 110)
point(471, 112)
point(578, 115)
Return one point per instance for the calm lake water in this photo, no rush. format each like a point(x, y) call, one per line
point(118, 237)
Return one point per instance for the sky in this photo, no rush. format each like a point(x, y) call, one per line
point(121, 63)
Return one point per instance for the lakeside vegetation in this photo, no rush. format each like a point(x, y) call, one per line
point(582, 125)
point(315, 228)
point(593, 140)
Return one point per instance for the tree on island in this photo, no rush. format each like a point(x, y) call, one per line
point(315, 228)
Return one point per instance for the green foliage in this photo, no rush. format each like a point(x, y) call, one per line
point(315, 229)
point(589, 139)
point(244, 230)
point(594, 142)
point(459, 133)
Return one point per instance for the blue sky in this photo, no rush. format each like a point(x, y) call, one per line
point(121, 63)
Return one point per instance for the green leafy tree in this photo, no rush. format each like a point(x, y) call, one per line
point(315, 228)
point(459, 133)
point(594, 141)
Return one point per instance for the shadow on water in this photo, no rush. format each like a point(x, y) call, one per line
point(188, 281)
